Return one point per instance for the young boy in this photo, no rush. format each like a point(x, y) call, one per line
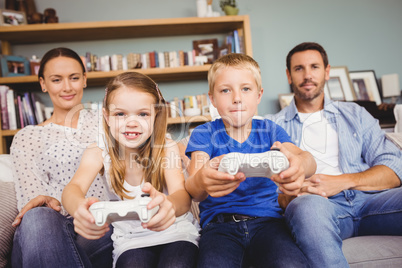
point(241, 219)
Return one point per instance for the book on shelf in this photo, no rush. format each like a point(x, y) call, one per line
point(19, 109)
point(3, 104)
point(198, 104)
point(12, 116)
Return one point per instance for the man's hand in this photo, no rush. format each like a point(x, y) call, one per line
point(324, 185)
point(39, 201)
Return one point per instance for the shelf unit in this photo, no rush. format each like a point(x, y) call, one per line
point(110, 30)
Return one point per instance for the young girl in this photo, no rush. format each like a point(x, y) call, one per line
point(137, 158)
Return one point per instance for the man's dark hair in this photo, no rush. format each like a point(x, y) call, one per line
point(307, 46)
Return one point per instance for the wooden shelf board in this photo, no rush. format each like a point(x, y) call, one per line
point(107, 30)
point(102, 78)
point(189, 119)
point(9, 133)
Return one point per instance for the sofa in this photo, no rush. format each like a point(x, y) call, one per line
point(367, 251)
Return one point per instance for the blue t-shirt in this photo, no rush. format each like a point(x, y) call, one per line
point(256, 197)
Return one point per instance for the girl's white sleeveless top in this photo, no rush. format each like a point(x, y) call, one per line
point(130, 234)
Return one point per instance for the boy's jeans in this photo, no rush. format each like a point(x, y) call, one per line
point(319, 225)
point(262, 242)
point(46, 238)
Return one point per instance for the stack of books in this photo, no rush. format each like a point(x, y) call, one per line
point(19, 110)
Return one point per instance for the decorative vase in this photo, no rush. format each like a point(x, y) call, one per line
point(229, 10)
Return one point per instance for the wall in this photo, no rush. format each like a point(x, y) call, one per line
point(361, 34)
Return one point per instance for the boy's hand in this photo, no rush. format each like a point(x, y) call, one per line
point(84, 222)
point(166, 215)
point(217, 183)
point(291, 180)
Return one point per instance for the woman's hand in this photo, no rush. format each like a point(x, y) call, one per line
point(84, 222)
point(39, 201)
point(166, 215)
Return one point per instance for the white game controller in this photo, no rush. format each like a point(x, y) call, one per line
point(111, 211)
point(254, 165)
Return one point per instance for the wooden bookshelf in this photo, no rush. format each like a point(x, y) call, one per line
point(125, 29)
point(189, 119)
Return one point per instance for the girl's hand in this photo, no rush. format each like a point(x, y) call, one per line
point(39, 201)
point(84, 222)
point(166, 213)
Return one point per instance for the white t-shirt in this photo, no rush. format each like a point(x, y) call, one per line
point(321, 140)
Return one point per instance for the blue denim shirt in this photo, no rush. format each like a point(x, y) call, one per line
point(362, 143)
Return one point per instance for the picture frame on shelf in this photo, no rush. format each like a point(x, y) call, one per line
point(339, 85)
point(12, 17)
point(224, 50)
point(285, 99)
point(14, 66)
point(208, 48)
point(365, 85)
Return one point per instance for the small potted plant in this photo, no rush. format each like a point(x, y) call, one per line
point(229, 7)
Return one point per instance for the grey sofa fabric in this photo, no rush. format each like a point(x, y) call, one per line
point(373, 251)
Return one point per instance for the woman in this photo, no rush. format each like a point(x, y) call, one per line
point(45, 158)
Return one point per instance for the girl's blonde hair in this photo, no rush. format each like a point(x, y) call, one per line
point(151, 153)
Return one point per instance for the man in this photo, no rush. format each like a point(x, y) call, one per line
point(356, 189)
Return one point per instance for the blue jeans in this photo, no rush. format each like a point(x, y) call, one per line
point(319, 225)
point(45, 238)
point(262, 242)
point(180, 254)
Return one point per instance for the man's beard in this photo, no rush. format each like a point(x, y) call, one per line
point(305, 96)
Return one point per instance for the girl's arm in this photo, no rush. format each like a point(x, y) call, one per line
point(178, 195)
point(178, 201)
point(73, 197)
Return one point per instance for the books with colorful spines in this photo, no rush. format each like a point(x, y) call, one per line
point(167, 60)
point(156, 59)
point(3, 105)
point(40, 111)
point(229, 41)
point(12, 117)
point(21, 111)
point(241, 40)
point(33, 103)
point(172, 108)
point(181, 58)
point(17, 110)
point(187, 102)
point(190, 58)
point(29, 108)
point(172, 60)
point(236, 41)
point(161, 59)
point(152, 63)
point(88, 57)
point(145, 60)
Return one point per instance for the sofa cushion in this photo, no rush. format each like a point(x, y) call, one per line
point(373, 251)
point(8, 212)
point(6, 173)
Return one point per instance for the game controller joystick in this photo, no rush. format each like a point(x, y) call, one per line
point(254, 165)
point(111, 211)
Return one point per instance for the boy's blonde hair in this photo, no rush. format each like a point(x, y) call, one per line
point(240, 61)
point(151, 153)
